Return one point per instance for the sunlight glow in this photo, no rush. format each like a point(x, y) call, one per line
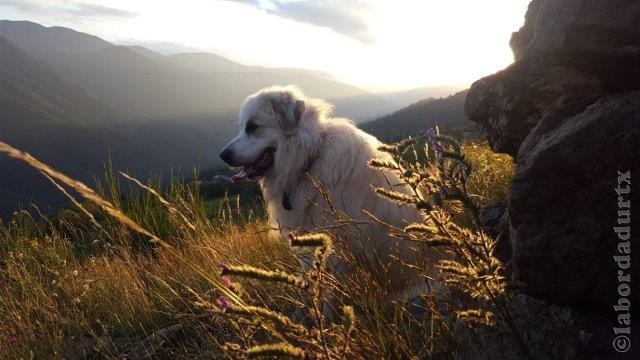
point(414, 43)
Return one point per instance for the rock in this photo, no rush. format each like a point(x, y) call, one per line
point(556, 332)
point(490, 216)
point(89, 347)
point(521, 39)
point(83, 348)
point(568, 51)
point(549, 332)
point(151, 345)
point(598, 37)
point(509, 104)
point(563, 204)
point(495, 223)
point(568, 109)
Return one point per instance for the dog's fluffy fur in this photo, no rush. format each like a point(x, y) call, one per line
point(309, 143)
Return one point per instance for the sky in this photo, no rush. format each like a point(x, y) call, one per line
point(379, 45)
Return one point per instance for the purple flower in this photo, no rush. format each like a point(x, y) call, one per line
point(431, 132)
point(223, 303)
point(13, 339)
point(290, 237)
point(437, 147)
point(228, 283)
point(444, 192)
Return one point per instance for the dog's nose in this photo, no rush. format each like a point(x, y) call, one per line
point(227, 155)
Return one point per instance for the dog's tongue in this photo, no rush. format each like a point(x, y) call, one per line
point(245, 173)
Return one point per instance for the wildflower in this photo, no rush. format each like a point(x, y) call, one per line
point(265, 275)
point(276, 350)
point(437, 147)
point(431, 132)
point(394, 195)
point(310, 240)
point(223, 303)
point(291, 237)
point(13, 339)
point(228, 283)
point(224, 266)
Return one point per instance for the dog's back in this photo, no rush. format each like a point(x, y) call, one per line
point(338, 195)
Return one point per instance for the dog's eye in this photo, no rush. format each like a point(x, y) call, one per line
point(251, 127)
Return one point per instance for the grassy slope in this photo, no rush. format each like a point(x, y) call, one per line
point(66, 285)
point(447, 113)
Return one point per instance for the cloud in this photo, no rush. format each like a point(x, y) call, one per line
point(93, 10)
point(343, 17)
point(73, 9)
point(163, 47)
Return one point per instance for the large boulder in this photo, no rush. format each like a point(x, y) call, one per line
point(568, 110)
point(509, 104)
point(567, 50)
point(564, 205)
point(598, 37)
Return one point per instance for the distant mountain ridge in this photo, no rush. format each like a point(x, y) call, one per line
point(29, 86)
point(143, 84)
point(39, 38)
point(405, 98)
point(447, 112)
point(72, 99)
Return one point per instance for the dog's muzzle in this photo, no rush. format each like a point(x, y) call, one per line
point(227, 156)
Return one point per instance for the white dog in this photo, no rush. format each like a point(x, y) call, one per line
point(287, 139)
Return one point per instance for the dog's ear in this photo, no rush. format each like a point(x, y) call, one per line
point(288, 113)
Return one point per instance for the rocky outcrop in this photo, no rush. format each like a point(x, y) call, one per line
point(568, 110)
point(552, 332)
point(567, 51)
point(509, 104)
point(564, 206)
point(496, 224)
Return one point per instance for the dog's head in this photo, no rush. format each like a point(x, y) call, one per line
point(268, 119)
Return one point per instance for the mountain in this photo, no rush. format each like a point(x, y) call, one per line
point(448, 113)
point(73, 100)
point(34, 37)
point(48, 116)
point(62, 125)
point(31, 90)
point(404, 98)
point(147, 85)
point(205, 63)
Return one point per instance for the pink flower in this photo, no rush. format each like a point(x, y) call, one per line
point(228, 283)
point(223, 303)
point(13, 339)
point(224, 267)
point(291, 236)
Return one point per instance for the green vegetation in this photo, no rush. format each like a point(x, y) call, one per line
point(446, 113)
point(142, 275)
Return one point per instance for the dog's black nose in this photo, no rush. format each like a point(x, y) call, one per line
point(227, 155)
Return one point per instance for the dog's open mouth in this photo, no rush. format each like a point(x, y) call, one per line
point(258, 168)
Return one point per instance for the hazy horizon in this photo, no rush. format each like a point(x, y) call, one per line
point(442, 44)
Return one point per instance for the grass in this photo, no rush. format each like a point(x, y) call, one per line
point(91, 283)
